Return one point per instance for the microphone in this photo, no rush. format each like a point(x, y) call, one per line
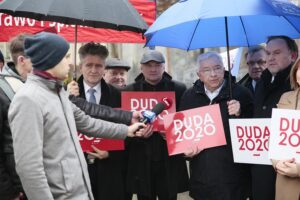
point(149, 116)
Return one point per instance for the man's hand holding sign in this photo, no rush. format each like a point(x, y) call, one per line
point(192, 130)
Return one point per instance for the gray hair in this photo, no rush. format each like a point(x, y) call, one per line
point(207, 55)
point(253, 49)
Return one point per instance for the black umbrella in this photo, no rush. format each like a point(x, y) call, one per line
point(111, 14)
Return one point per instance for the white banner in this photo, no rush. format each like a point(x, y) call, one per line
point(250, 140)
point(285, 137)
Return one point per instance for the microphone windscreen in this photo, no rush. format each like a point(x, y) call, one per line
point(158, 108)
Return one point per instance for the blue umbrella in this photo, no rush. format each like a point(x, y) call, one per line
point(194, 24)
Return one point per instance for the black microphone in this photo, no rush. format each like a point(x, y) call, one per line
point(149, 116)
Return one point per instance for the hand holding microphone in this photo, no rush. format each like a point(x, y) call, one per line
point(150, 116)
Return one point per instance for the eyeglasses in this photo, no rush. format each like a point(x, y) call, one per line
point(216, 70)
point(258, 62)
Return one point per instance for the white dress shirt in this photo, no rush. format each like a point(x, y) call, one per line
point(212, 95)
point(97, 93)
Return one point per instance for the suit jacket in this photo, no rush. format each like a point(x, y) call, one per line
point(288, 188)
point(246, 81)
point(108, 175)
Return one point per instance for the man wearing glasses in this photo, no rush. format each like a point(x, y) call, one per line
point(214, 175)
point(256, 62)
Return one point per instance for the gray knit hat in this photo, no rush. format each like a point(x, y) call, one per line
point(45, 50)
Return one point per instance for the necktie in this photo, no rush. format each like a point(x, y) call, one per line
point(92, 99)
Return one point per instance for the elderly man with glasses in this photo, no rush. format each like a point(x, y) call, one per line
point(256, 62)
point(214, 175)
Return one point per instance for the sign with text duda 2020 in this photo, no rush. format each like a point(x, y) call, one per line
point(200, 127)
point(141, 101)
point(285, 135)
point(86, 143)
point(250, 140)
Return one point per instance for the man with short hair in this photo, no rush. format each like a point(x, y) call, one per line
point(282, 52)
point(44, 123)
point(256, 62)
point(116, 72)
point(214, 175)
point(151, 172)
point(12, 78)
point(104, 167)
point(21, 65)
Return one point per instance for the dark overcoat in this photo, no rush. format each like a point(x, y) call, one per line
point(144, 152)
point(214, 175)
point(108, 175)
point(267, 95)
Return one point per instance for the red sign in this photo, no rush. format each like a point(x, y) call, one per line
point(86, 143)
point(11, 26)
point(201, 127)
point(136, 101)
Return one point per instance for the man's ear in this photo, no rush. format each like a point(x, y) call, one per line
point(294, 56)
point(198, 74)
point(80, 67)
point(21, 59)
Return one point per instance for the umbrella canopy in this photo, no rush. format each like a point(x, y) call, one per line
point(111, 14)
point(194, 24)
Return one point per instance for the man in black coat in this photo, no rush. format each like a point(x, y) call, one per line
point(13, 76)
point(214, 175)
point(151, 172)
point(282, 52)
point(256, 62)
point(107, 170)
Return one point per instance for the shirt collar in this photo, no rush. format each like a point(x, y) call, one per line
point(212, 95)
point(96, 87)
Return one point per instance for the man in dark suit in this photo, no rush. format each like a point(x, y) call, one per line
point(282, 52)
point(256, 62)
point(107, 169)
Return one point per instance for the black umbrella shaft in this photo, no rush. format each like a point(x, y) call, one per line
point(75, 54)
point(228, 58)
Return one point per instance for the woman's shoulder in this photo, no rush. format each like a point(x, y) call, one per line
point(287, 99)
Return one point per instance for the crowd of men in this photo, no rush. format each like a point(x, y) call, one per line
point(40, 155)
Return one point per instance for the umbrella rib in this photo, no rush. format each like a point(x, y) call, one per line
point(290, 23)
point(188, 47)
point(240, 17)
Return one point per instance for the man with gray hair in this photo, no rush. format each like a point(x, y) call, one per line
point(256, 62)
point(214, 175)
